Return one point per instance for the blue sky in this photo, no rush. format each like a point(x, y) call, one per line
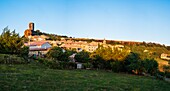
point(133, 20)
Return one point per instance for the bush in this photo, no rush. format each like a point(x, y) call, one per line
point(55, 64)
point(151, 66)
point(117, 66)
point(159, 77)
point(60, 54)
point(11, 59)
point(87, 65)
point(166, 68)
point(161, 73)
point(167, 74)
point(72, 65)
point(24, 52)
point(82, 57)
point(134, 64)
point(97, 62)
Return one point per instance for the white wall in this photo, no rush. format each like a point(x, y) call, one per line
point(46, 45)
point(33, 47)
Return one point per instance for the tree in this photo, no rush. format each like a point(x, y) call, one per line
point(65, 56)
point(55, 53)
point(97, 61)
point(24, 52)
point(132, 63)
point(59, 54)
point(107, 53)
point(82, 56)
point(151, 66)
point(11, 42)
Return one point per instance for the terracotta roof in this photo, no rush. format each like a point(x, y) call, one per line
point(38, 43)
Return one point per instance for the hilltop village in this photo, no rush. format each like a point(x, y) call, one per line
point(40, 43)
point(37, 41)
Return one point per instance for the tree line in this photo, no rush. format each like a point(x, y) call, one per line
point(103, 59)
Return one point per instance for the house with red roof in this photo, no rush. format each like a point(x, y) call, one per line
point(38, 47)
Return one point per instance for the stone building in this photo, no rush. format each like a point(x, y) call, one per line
point(30, 31)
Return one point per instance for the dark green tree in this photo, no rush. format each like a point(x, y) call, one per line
point(151, 66)
point(55, 53)
point(10, 42)
point(132, 63)
point(65, 56)
point(97, 61)
point(59, 54)
point(82, 56)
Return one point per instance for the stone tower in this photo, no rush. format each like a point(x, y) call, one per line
point(30, 31)
point(31, 26)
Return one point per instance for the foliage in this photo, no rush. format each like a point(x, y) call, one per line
point(151, 66)
point(55, 64)
point(134, 64)
point(167, 74)
point(59, 54)
point(107, 53)
point(24, 52)
point(97, 62)
point(55, 53)
point(147, 52)
point(87, 65)
point(66, 54)
point(166, 69)
point(82, 56)
point(11, 59)
point(104, 58)
point(11, 42)
point(168, 47)
point(117, 66)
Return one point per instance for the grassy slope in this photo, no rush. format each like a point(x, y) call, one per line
point(35, 78)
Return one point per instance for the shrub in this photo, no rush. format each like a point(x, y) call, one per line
point(151, 66)
point(132, 63)
point(117, 66)
point(97, 62)
point(72, 65)
point(87, 65)
point(161, 73)
point(82, 57)
point(53, 64)
point(11, 59)
point(160, 77)
point(167, 74)
point(60, 54)
point(24, 52)
point(166, 68)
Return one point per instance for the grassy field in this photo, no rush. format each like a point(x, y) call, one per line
point(38, 78)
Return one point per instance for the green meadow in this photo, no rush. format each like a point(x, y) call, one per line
point(35, 77)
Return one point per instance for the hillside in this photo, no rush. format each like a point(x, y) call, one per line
point(36, 77)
